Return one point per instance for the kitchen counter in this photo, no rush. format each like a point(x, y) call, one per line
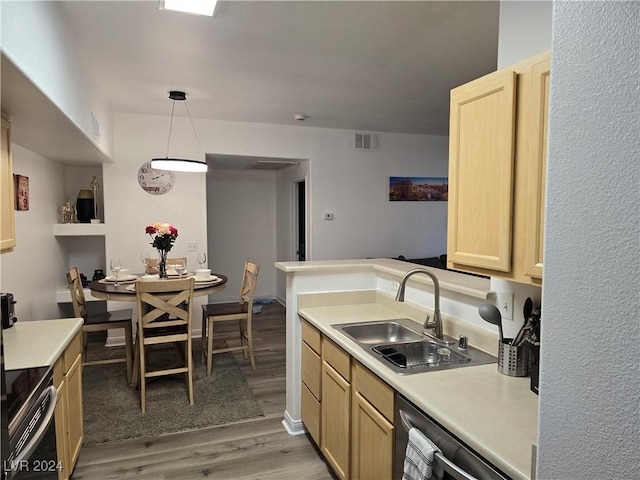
point(494, 414)
point(38, 343)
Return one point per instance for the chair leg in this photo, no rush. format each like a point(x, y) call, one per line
point(250, 348)
point(210, 348)
point(143, 380)
point(85, 343)
point(128, 340)
point(189, 360)
point(203, 336)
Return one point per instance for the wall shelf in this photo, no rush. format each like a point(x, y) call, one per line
point(79, 229)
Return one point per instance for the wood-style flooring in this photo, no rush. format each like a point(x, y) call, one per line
point(251, 449)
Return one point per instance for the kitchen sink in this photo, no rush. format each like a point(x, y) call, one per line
point(381, 332)
point(399, 345)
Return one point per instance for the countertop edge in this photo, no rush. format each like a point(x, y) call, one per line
point(38, 343)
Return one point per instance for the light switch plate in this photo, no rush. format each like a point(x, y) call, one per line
point(505, 304)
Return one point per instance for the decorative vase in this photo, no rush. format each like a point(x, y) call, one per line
point(162, 263)
point(85, 206)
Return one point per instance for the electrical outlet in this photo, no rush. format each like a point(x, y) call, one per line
point(192, 246)
point(505, 304)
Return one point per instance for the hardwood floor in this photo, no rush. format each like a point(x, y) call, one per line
point(251, 449)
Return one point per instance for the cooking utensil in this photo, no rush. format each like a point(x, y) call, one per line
point(491, 314)
point(526, 311)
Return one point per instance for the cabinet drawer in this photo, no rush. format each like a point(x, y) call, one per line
point(311, 370)
point(72, 351)
point(337, 358)
point(311, 413)
point(311, 336)
point(377, 392)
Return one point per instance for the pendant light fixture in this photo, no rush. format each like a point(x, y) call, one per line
point(179, 164)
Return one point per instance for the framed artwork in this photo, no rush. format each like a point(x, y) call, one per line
point(21, 184)
point(418, 189)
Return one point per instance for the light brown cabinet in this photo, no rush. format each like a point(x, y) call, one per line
point(336, 408)
point(497, 162)
point(372, 430)
point(349, 412)
point(7, 201)
point(311, 380)
point(67, 377)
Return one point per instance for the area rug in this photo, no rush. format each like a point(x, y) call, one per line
point(112, 411)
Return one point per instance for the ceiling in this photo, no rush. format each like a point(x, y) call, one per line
point(381, 66)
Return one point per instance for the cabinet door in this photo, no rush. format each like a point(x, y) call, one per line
point(336, 420)
point(60, 420)
point(74, 410)
point(541, 73)
point(7, 201)
point(310, 411)
point(481, 172)
point(372, 439)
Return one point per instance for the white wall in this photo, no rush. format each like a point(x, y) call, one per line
point(38, 262)
point(39, 41)
point(590, 380)
point(351, 184)
point(525, 29)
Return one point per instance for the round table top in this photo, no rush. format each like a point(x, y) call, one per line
point(108, 291)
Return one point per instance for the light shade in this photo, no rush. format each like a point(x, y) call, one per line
point(196, 7)
point(178, 164)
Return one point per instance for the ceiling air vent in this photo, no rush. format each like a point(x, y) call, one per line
point(366, 141)
point(270, 164)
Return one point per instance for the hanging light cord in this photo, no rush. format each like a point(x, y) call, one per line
point(194, 127)
point(173, 107)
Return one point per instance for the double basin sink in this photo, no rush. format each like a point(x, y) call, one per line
point(399, 345)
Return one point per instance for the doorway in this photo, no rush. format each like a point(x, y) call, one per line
point(299, 241)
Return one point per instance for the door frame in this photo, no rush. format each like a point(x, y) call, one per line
point(295, 206)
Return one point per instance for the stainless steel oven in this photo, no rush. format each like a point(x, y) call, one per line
point(28, 427)
point(458, 461)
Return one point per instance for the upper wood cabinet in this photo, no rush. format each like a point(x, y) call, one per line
point(7, 201)
point(497, 162)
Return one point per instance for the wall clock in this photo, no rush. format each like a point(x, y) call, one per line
point(154, 181)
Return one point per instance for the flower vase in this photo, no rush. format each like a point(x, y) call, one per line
point(162, 264)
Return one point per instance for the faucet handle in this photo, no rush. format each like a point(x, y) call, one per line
point(463, 342)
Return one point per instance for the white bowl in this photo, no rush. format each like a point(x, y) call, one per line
point(203, 273)
point(146, 278)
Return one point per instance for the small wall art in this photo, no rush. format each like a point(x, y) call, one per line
point(418, 189)
point(21, 188)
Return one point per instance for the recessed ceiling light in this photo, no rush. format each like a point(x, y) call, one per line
point(195, 7)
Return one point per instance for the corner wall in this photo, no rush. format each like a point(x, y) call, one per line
point(590, 379)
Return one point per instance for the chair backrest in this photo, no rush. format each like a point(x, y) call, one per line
point(152, 263)
point(77, 293)
point(249, 281)
point(165, 303)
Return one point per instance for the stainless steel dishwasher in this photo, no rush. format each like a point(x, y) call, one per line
point(458, 461)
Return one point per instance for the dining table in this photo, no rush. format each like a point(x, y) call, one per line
point(125, 290)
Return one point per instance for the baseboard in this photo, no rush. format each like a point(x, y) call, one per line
point(293, 427)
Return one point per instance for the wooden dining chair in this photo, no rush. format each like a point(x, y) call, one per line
point(152, 264)
point(164, 311)
point(100, 322)
point(242, 311)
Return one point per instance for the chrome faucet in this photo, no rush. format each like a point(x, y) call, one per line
point(436, 325)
